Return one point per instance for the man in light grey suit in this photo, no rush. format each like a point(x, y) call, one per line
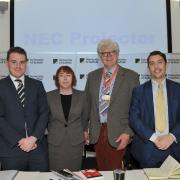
point(109, 92)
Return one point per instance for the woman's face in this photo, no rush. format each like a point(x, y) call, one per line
point(65, 80)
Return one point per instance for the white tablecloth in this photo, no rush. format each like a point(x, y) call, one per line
point(108, 175)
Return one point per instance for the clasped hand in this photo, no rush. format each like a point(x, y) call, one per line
point(164, 142)
point(28, 144)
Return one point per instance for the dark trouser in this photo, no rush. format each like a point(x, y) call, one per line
point(108, 158)
point(27, 163)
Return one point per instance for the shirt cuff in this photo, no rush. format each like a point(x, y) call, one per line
point(173, 137)
point(153, 137)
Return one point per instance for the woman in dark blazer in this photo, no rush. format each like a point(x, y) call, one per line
point(67, 122)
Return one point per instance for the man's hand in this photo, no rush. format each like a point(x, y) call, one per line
point(86, 138)
point(164, 142)
point(123, 141)
point(28, 144)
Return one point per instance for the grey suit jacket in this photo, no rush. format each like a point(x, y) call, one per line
point(118, 113)
point(58, 127)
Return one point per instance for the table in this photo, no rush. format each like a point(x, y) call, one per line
point(108, 175)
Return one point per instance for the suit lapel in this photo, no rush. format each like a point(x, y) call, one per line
point(58, 105)
point(13, 91)
point(28, 90)
point(11, 86)
point(118, 82)
point(170, 102)
point(149, 102)
point(96, 86)
point(74, 101)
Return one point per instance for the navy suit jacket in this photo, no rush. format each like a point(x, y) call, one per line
point(13, 116)
point(142, 122)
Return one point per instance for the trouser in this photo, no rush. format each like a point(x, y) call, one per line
point(108, 158)
point(26, 163)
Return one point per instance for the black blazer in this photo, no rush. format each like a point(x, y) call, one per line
point(13, 116)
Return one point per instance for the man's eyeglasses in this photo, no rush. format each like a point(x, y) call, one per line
point(16, 63)
point(106, 54)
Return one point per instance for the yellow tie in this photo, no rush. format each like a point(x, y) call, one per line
point(160, 109)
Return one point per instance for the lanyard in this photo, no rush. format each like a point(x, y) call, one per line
point(107, 85)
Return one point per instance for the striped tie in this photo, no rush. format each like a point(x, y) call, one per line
point(104, 104)
point(108, 76)
point(21, 92)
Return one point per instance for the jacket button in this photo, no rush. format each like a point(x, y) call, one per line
point(65, 125)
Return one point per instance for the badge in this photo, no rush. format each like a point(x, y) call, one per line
point(106, 97)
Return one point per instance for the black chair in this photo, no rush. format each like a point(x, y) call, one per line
point(129, 161)
point(89, 162)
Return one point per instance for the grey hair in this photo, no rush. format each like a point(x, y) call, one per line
point(107, 43)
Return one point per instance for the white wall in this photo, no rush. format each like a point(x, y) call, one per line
point(4, 30)
point(175, 21)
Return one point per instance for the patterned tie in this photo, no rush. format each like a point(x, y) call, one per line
point(104, 104)
point(108, 76)
point(21, 92)
point(160, 109)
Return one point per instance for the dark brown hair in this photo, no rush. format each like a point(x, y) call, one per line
point(18, 50)
point(68, 70)
point(153, 53)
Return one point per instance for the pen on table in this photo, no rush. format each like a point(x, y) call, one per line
point(74, 174)
point(57, 174)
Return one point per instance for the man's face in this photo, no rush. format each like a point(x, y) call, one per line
point(157, 67)
point(109, 57)
point(17, 64)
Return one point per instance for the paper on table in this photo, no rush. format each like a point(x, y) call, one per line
point(27, 175)
point(47, 176)
point(8, 175)
point(170, 168)
point(135, 175)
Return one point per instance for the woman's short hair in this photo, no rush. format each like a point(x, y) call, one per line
point(67, 70)
point(107, 43)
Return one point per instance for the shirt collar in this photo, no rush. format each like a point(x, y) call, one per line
point(155, 83)
point(14, 78)
point(111, 70)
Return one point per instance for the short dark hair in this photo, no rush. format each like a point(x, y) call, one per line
point(18, 50)
point(68, 70)
point(153, 53)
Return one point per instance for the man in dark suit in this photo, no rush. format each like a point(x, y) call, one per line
point(23, 117)
point(155, 116)
point(109, 93)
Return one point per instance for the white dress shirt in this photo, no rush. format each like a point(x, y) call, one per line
point(15, 82)
point(154, 89)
